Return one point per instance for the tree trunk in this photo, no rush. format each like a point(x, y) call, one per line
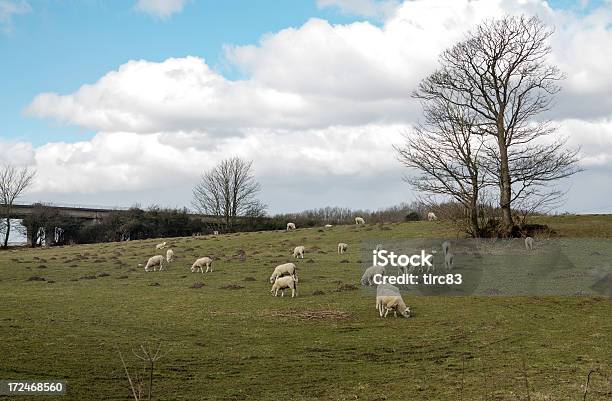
point(8, 231)
point(505, 187)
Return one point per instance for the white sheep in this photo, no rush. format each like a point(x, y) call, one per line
point(299, 251)
point(370, 272)
point(431, 216)
point(393, 303)
point(446, 247)
point(529, 243)
point(215, 232)
point(290, 226)
point(201, 263)
point(153, 262)
point(385, 290)
point(328, 226)
point(282, 283)
point(161, 246)
point(283, 270)
point(169, 256)
point(359, 220)
point(342, 247)
point(449, 259)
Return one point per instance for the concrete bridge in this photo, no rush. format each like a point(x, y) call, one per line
point(94, 213)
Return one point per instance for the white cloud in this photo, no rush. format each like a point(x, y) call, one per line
point(16, 152)
point(126, 161)
point(161, 9)
point(9, 8)
point(320, 100)
point(366, 8)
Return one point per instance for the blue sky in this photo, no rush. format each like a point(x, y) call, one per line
point(60, 45)
point(320, 105)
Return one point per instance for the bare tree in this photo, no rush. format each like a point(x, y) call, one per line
point(446, 153)
point(13, 182)
point(228, 190)
point(499, 76)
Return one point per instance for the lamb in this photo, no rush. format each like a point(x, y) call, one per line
point(370, 272)
point(161, 246)
point(169, 255)
point(386, 290)
point(284, 270)
point(359, 220)
point(431, 216)
point(299, 251)
point(153, 262)
point(290, 226)
point(449, 260)
point(283, 283)
point(342, 247)
point(446, 247)
point(394, 303)
point(201, 263)
point(529, 243)
point(328, 226)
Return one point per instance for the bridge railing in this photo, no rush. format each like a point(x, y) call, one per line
point(71, 206)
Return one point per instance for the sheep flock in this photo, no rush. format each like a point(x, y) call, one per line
point(284, 276)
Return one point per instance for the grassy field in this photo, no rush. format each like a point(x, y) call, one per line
point(230, 340)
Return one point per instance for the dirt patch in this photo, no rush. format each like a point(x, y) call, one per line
point(231, 287)
point(318, 292)
point(346, 287)
point(122, 277)
point(42, 267)
point(309, 314)
point(154, 284)
point(103, 274)
point(36, 278)
point(250, 278)
point(87, 278)
point(197, 285)
point(345, 261)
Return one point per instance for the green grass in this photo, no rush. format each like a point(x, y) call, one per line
point(242, 344)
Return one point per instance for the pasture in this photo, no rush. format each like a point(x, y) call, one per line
point(229, 339)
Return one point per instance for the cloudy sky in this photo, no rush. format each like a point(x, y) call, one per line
point(119, 102)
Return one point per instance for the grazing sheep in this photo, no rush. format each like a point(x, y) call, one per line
point(393, 303)
point(290, 226)
point(342, 247)
point(385, 290)
point(431, 216)
point(215, 232)
point(153, 262)
point(328, 226)
point(359, 220)
point(283, 283)
point(161, 246)
point(201, 263)
point(378, 247)
point(529, 243)
point(283, 270)
point(169, 256)
point(299, 251)
point(369, 273)
point(446, 247)
point(449, 260)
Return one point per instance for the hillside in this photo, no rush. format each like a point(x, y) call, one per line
point(231, 340)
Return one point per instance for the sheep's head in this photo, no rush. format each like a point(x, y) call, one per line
point(406, 312)
point(272, 279)
point(193, 269)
